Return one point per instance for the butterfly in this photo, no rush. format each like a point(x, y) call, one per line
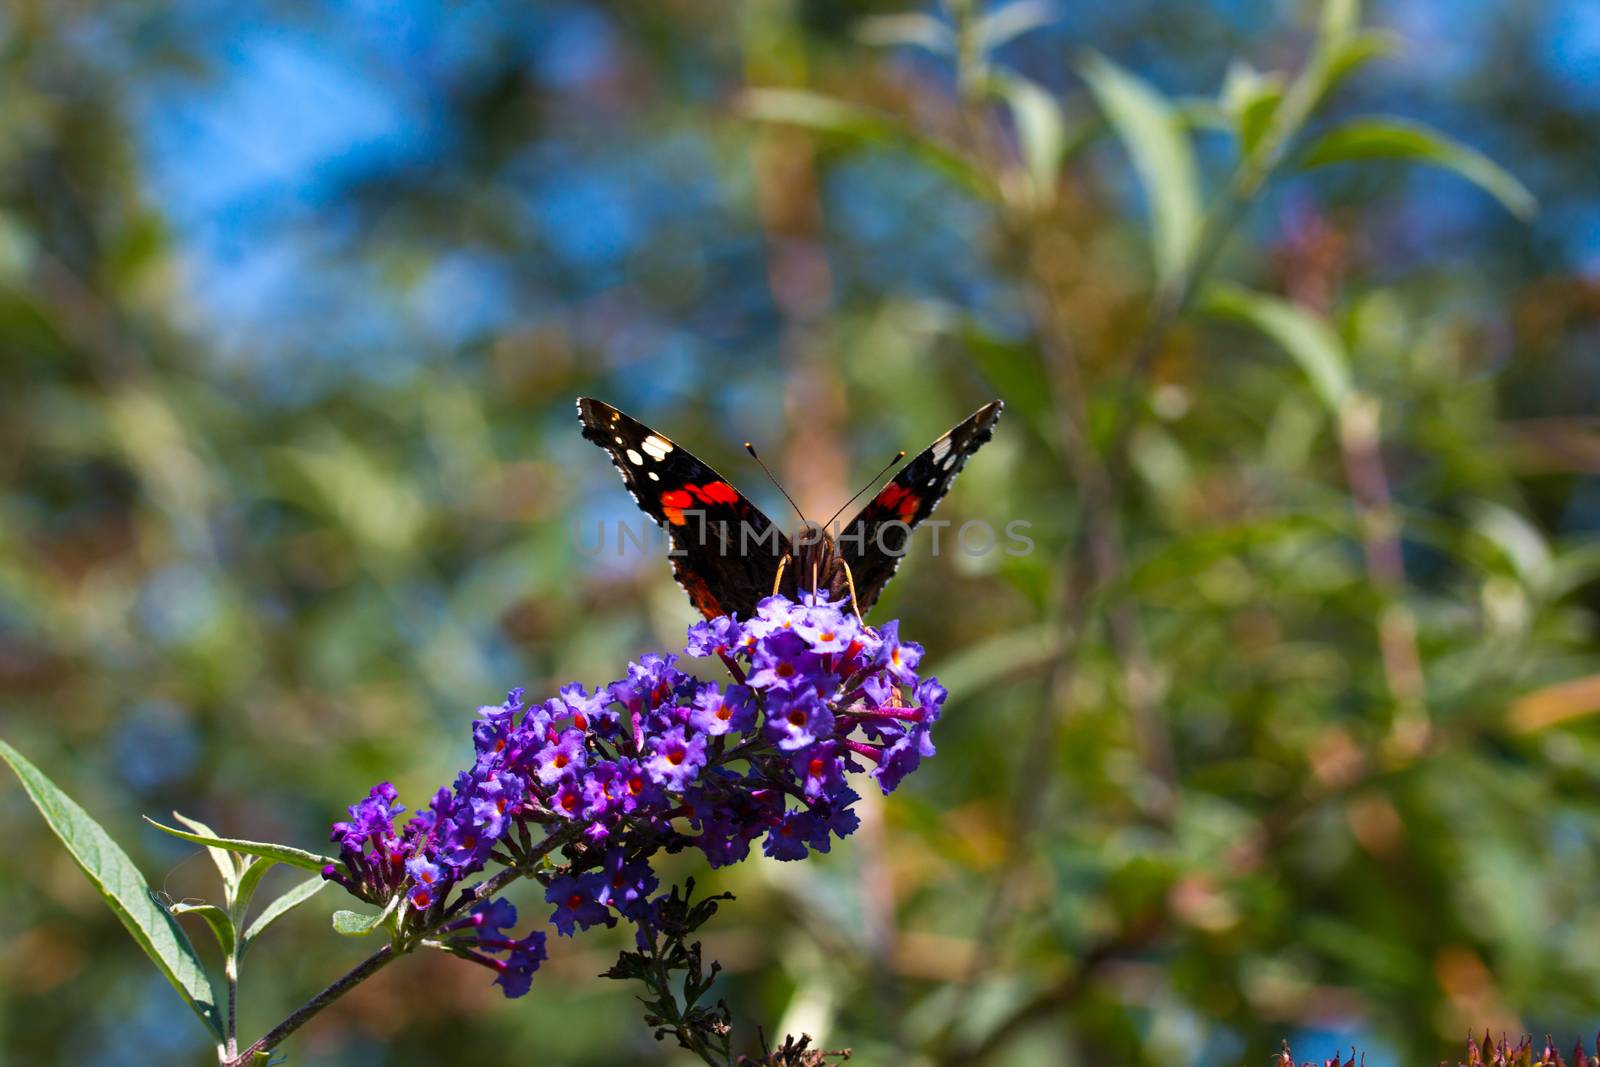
point(728, 555)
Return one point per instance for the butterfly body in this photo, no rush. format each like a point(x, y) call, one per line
point(727, 554)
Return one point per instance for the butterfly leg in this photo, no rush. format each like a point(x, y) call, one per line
point(782, 563)
point(850, 580)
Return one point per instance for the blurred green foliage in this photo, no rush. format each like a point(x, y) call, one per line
point(1284, 728)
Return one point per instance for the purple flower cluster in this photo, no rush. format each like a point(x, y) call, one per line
point(658, 760)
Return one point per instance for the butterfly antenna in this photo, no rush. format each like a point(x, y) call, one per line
point(887, 467)
point(750, 448)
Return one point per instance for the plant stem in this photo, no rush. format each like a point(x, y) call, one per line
point(381, 958)
point(1360, 445)
point(311, 1008)
point(668, 1001)
point(230, 970)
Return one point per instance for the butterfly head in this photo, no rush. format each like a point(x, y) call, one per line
point(814, 550)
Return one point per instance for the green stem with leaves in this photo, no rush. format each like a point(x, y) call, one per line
point(391, 952)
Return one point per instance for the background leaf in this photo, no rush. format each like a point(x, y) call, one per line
point(1041, 132)
point(1162, 159)
point(1338, 19)
point(1004, 23)
point(908, 28)
point(854, 123)
point(1251, 99)
point(1350, 53)
point(1308, 340)
point(1386, 138)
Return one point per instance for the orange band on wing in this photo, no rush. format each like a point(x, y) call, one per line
point(673, 501)
point(902, 501)
point(714, 493)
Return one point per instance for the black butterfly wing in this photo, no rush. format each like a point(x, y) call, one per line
point(725, 551)
point(874, 542)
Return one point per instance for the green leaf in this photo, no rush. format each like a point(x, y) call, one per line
point(294, 857)
point(1379, 137)
point(814, 111)
point(911, 28)
point(1306, 338)
point(280, 907)
point(1041, 132)
point(1201, 113)
point(215, 917)
point(999, 657)
point(1521, 542)
point(1006, 24)
point(854, 123)
point(249, 880)
point(1339, 19)
point(123, 888)
point(1573, 569)
point(1250, 99)
point(357, 924)
point(1340, 49)
point(1162, 157)
point(219, 856)
point(1015, 375)
point(1351, 54)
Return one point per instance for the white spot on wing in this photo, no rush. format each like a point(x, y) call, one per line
point(654, 477)
point(618, 440)
point(634, 457)
point(940, 448)
point(656, 447)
